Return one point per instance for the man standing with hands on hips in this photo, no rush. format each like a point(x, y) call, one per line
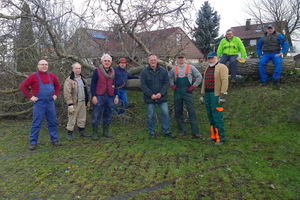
point(181, 80)
point(213, 92)
point(44, 90)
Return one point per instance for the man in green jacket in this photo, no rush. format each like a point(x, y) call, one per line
point(228, 50)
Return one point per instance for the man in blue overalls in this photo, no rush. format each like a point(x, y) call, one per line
point(181, 81)
point(44, 90)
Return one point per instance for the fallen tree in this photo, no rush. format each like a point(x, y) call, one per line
point(249, 68)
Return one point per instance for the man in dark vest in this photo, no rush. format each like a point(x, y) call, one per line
point(103, 92)
point(271, 46)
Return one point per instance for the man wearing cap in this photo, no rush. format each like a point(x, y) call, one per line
point(103, 96)
point(229, 49)
point(77, 98)
point(181, 80)
point(154, 84)
point(271, 46)
point(213, 92)
point(121, 76)
point(42, 89)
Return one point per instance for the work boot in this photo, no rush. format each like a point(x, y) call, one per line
point(95, 133)
point(105, 130)
point(276, 83)
point(70, 137)
point(82, 133)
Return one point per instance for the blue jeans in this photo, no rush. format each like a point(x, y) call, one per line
point(165, 121)
point(232, 63)
point(124, 101)
point(262, 66)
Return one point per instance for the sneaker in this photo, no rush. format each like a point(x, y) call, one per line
point(170, 135)
point(197, 136)
point(218, 143)
point(233, 81)
point(264, 84)
point(32, 147)
point(56, 143)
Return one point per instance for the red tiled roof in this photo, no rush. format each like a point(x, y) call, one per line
point(152, 39)
point(255, 31)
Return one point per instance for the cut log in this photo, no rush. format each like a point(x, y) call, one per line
point(249, 68)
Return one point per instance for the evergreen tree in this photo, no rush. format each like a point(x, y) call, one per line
point(26, 54)
point(207, 29)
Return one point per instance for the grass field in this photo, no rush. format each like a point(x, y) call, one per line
point(260, 159)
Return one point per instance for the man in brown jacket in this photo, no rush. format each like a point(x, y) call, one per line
point(213, 93)
point(76, 96)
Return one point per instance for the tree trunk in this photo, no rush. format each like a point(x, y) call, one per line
point(249, 68)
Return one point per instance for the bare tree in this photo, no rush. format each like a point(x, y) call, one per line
point(285, 14)
point(54, 22)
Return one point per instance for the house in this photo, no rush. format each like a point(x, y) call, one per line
point(166, 43)
point(251, 33)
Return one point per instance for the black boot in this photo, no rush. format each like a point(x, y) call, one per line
point(105, 130)
point(70, 137)
point(82, 133)
point(95, 133)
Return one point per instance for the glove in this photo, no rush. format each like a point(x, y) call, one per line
point(174, 87)
point(190, 89)
point(201, 99)
point(71, 110)
point(222, 99)
point(241, 60)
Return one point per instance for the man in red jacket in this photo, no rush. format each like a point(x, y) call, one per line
point(44, 90)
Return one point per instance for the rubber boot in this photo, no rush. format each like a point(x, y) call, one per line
point(70, 137)
point(95, 133)
point(82, 133)
point(105, 130)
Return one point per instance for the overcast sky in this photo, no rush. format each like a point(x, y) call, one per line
point(230, 11)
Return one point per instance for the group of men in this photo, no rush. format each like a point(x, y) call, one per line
point(107, 90)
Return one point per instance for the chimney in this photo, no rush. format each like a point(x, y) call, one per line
point(248, 24)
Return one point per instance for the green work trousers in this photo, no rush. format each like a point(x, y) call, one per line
point(215, 114)
point(181, 97)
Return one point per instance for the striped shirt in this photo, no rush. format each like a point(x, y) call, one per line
point(210, 79)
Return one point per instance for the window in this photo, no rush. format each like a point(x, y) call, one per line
point(178, 39)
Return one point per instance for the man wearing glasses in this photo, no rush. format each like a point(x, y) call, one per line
point(44, 90)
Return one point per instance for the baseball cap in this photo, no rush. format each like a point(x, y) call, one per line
point(270, 26)
point(181, 55)
point(211, 54)
point(122, 60)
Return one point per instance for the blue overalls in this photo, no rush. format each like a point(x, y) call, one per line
point(44, 106)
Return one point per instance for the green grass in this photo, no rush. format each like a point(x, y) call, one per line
point(260, 159)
